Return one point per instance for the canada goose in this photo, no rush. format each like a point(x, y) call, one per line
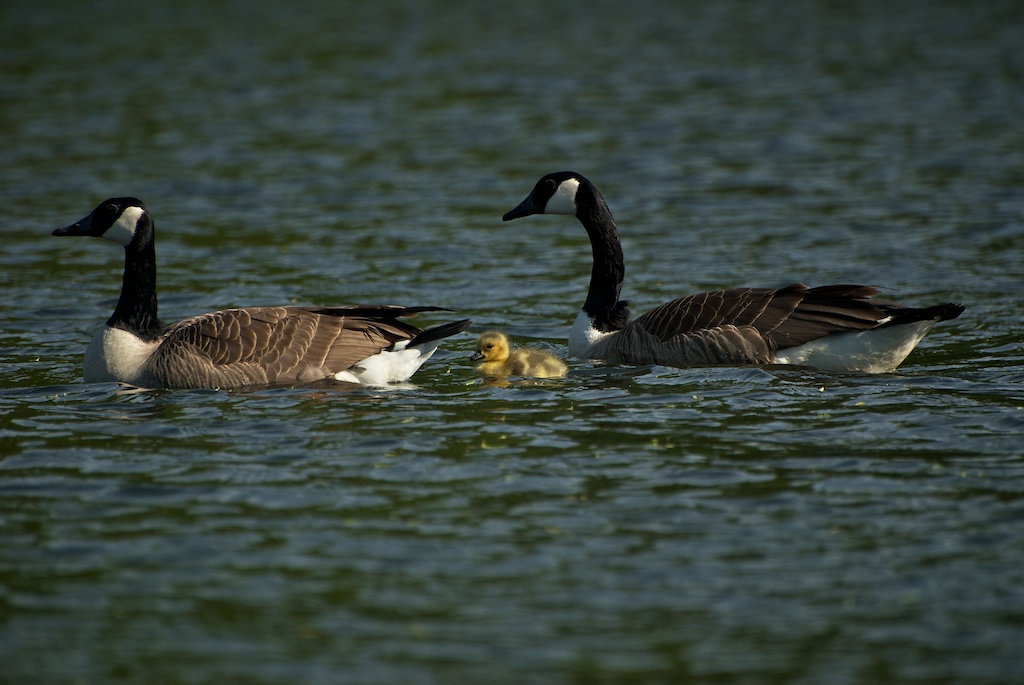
point(497, 360)
point(366, 344)
point(832, 327)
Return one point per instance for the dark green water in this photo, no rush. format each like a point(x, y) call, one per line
point(624, 525)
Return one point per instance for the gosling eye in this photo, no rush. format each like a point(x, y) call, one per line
point(490, 346)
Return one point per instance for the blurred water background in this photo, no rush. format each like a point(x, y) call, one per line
point(624, 525)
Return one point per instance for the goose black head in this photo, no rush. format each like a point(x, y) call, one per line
point(120, 219)
point(553, 194)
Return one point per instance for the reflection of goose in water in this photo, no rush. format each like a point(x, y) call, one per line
point(833, 327)
point(497, 360)
point(366, 344)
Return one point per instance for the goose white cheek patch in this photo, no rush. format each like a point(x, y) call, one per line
point(564, 199)
point(123, 230)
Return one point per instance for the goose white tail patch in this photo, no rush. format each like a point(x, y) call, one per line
point(564, 199)
point(391, 366)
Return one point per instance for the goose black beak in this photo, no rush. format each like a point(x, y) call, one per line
point(80, 227)
point(524, 208)
point(476, 356)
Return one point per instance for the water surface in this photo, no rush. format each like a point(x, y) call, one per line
point(632, 525)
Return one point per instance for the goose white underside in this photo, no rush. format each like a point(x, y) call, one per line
point(879, 350)
point(875, 351)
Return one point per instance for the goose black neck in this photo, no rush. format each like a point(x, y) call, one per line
point(136, 310)
point(602, 304)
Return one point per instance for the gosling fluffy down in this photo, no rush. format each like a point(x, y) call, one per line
point(497, 360)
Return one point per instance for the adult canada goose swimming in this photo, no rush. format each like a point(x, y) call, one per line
point(366, 344)
point(498, 360)
point(832, 327)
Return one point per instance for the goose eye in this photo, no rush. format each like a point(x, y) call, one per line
point(550, 184)
point(490, 346)
point(107, 213)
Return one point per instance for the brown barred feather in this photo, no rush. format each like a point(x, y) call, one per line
point(276, 344)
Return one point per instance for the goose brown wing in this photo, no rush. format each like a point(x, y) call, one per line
point(826, 310)
point(277, 344)
point(747, 324)
point(707, 328)
point(787, 316)
point(763, 308)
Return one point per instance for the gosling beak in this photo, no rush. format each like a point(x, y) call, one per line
point(476, 356)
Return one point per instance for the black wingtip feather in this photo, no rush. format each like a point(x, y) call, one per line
point(437, 332)
point(949, 311)
point(940, 312)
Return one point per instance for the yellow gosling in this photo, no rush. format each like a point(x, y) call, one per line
point(498, 361)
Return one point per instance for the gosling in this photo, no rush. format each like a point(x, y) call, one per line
point(498, 361)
